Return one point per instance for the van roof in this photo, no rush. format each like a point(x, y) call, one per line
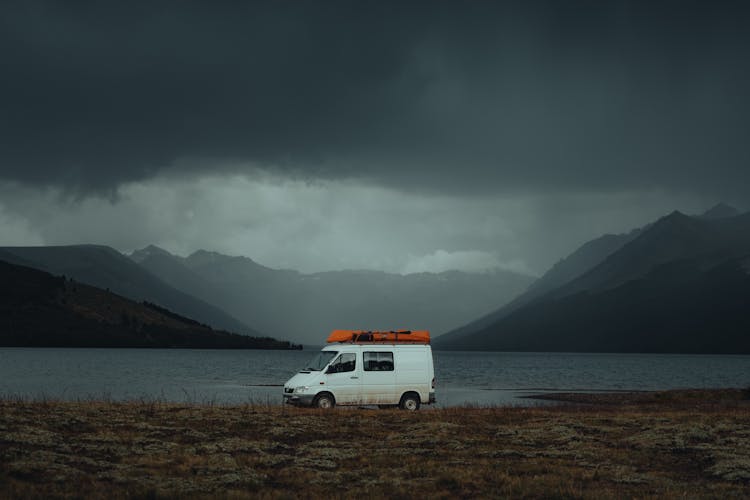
point(375, 336)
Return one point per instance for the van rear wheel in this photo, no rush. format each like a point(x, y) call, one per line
point(410, 401)
point(324, 401)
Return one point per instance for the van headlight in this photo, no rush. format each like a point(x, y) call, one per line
point(302, 388)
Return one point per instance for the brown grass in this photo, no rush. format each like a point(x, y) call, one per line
point(664, 446)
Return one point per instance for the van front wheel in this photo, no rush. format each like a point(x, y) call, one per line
point(323, 401)
point(409, 401)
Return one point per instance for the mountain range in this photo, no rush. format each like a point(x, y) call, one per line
point(679, 284)
point(303, 307)
point(106, 268)
point(231, 293)
point(42, 310)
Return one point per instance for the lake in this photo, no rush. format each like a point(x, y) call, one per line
point(249, 376)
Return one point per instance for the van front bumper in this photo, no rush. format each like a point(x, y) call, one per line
point(432, 398)
point(299, 399)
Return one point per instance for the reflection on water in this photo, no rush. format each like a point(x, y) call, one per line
point(227, 377)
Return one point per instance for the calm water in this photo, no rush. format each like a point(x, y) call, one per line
point(255, 376)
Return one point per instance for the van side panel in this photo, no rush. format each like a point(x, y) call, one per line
point(412, 372)
point(378, 388)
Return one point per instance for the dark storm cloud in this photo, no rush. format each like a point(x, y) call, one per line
point(444, 95)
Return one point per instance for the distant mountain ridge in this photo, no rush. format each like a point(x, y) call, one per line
point(720, 211)
point(106, 268)
point(576, 264)
point(42, 310)
point(677, 308)
point(290, 304)
point(662, 253)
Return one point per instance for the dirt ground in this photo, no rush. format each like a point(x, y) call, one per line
point(669, 444)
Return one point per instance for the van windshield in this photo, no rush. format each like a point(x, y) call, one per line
point(321, 360)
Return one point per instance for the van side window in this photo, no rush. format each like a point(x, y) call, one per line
point(344, 363)
point(378, 361)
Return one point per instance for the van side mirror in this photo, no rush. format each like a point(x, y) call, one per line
point(331, 369)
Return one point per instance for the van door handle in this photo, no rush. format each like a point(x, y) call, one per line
point(353, 377)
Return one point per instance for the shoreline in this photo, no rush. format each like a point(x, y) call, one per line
point(665, 444)
point(548, 399)
point(646, 398)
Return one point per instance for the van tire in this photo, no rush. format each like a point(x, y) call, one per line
point(410, 401)
point(324, 401)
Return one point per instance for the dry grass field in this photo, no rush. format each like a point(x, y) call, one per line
point(674, 444)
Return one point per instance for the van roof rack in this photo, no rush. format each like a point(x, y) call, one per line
point(374, 336)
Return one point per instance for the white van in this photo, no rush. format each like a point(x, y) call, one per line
point(366, 373)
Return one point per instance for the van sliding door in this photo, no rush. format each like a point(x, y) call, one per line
point(378, 378)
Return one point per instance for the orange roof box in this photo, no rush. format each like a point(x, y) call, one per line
point(390, 337)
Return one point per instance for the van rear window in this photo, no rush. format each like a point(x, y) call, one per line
point(378, 361)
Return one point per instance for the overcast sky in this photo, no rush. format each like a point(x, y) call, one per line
point(404, 136)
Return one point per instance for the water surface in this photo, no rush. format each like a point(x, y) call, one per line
point(242, 376)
